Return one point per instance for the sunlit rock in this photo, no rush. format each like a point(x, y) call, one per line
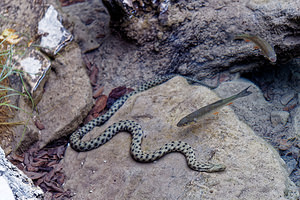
point(35, 67)
point(54, 35)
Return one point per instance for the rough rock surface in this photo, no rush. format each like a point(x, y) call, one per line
point(21, 186)
point(254, 168)
point(255, 111)
point(65, 103)
point(67, 94)
point(197, 43)
point(91, 23)
point(279, 117)
point(21, 16)
point(197, 39)
point(275, 84)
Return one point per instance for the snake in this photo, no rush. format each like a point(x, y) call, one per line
point(137, 133)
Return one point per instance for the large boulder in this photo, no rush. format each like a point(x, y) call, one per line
point(254, 169)
point(193, 38)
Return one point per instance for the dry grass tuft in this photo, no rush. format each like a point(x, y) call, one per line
point(6, 111)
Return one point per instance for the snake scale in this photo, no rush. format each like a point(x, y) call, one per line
point(137, 134)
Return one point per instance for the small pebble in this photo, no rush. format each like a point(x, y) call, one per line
point(296, 121)
point(284, 144)
point(285, 99)
point(39, 125)
point(279, 117)
point(291, 163)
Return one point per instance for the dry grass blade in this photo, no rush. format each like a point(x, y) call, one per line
point(12, 123)
point(7, 40)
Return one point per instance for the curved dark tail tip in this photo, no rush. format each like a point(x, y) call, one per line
point(245, 92)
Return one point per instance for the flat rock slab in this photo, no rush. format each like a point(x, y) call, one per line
point(254, 169)
point(68, 96)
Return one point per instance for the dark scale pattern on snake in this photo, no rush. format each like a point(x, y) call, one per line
point(137, 134)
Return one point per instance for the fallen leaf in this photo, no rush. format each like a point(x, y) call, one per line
point(98, 92)
point(17, 157)
point(94, 75)
point(54, 186)
point(100, 104)
point(35, 175)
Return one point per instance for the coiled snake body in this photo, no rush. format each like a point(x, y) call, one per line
point(137, 134)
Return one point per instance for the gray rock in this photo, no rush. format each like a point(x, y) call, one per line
point(197, 43)
point(279, 117)
point(291, 164)
point(254, 169)
point(20, 185)
point(285, 99)
point(21, 17)
point(253, 110)
point(296, 121)
point(91, 23)
point(196, 38)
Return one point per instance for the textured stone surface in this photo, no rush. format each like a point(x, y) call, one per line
point(65, 103)
point(21, 16)
point(254, 168)
point(279, 117)
point(285, 99)
point(196, 40)
point(54, 35)
point(21, 186)
point(196, 37)
point(91, 23)
point(67, 94)
point(254, 110)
